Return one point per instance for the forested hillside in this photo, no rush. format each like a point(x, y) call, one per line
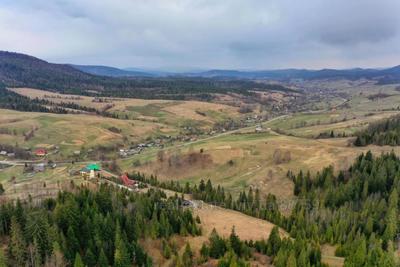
point(356, 210)
point(386, 132)
point(18, 70)
point(90, 228)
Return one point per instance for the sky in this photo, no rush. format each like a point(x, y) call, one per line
point(205, 34)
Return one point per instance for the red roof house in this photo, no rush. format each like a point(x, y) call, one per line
point(40, 152)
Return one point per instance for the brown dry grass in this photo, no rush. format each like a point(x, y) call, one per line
point(328, 256)
point(177, 109)
point(223, 220)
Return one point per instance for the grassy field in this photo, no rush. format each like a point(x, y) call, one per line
point(73, 132)
point(311, 125)
point(171, 113)
point(240, 160)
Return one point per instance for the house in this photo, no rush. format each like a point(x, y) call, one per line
point(11, 155)
point(40, 152)
point(39, 167)
point(93, 167)
point(90, 170)
point(3, 153)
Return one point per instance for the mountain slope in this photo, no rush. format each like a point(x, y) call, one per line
point(18, 70)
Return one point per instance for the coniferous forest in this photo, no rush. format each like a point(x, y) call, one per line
point(355, 210)
point(386, 132)
point(89, 228)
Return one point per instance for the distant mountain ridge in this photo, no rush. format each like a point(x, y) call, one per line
point(388, 75)
point(110, 71)
point(392, 74)
point(19, 70)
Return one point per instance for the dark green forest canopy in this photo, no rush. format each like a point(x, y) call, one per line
point(385, 132)
point(101, 228)
point(355, 209)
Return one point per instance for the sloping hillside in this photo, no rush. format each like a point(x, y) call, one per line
point(18, 70)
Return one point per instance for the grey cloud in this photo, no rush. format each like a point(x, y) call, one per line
point(204, 33)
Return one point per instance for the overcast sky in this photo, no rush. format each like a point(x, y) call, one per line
point(182, 34)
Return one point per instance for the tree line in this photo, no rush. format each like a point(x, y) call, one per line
point(385, 132)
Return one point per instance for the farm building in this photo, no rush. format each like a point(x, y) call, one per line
point(128, 182)
point(90, 170)
point(40, 152)
point(39, 167)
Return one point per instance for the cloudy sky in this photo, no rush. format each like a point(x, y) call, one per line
point(191, 34)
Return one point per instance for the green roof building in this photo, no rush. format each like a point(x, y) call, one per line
point(93, 167)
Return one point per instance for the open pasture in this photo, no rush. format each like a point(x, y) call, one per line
point(169, 112)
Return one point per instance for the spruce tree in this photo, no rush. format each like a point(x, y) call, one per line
point(121, 254)
point(17, 243)
point(187, 257)
point(3, 259)
point(78, 261)
point(274, 242)
point(102, 262)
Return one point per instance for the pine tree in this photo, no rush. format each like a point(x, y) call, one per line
point(187, 257)
point(72, 244)
point(3, 259)
point(17, 243)
point(274, 242)
point(235, 243)
point(217, 245)
point(90, 259)
point(103, 262)
point(37, 229)
point(205, 251)
point(78, 261)
point(166, 249)
point(121, 255)
point(291, 261)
